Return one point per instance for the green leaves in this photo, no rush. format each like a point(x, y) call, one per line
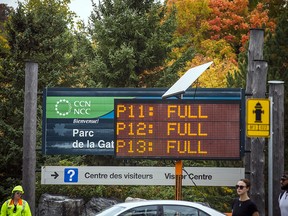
point(132, 39)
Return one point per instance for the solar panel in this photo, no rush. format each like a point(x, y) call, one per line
point(186, 80)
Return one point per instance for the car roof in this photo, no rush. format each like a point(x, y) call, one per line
point(153, 202)
point(131, 204)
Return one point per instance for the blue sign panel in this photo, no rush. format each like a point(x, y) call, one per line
point(71, 175)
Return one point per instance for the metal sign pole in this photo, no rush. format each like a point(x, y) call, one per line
point(270, 162)
point(178, 187)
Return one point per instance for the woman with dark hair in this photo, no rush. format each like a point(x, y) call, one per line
point(243, 206)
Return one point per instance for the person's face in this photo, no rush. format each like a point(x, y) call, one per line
point(17, 195)
point(241, 188)
point(284, 182)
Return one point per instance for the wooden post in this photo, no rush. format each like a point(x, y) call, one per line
point(257, 177)
point(276, 91)
point(29, 133)
point(178, 172)
point(255, 51)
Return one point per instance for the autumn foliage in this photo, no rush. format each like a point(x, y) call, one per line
point(215, 27)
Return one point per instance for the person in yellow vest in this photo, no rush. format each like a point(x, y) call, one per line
point(16, 206)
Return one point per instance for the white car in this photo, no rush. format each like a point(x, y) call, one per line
point(159, 208)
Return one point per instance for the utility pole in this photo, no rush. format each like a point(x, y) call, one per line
point(254, 147)
point(255, 51)
point(276, 145)
point(257, 176)
point(29, 133)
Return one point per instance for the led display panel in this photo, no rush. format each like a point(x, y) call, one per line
point(177, 129)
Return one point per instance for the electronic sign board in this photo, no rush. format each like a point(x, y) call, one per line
point(80, 121)
point(180, 129)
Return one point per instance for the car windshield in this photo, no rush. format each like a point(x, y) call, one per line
point(110, 211)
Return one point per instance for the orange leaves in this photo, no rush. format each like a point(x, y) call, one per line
point(219, 19)
point(217, 30)
point(227, 19)
point(231, 20)
point(259, 18)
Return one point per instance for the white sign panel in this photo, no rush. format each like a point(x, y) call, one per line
point(124, 175)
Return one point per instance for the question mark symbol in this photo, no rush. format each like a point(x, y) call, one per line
point(71, 173)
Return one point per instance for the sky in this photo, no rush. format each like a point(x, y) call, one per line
point(82, 8)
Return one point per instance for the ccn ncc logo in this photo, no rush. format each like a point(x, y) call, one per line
point(64, 107)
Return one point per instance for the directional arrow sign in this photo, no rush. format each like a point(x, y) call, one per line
point(117, 175)
point(55, 175)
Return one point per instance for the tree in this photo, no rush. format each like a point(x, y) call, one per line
point(194, 30)
point(224, 61)
point(276, 7)
point(4, 46)
point(231, 20)
point(37, 30)
point(237, 78)
point(131, 40)
point(192, 18)
point(276, 53)
point(4, 12)
point(227, 20)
